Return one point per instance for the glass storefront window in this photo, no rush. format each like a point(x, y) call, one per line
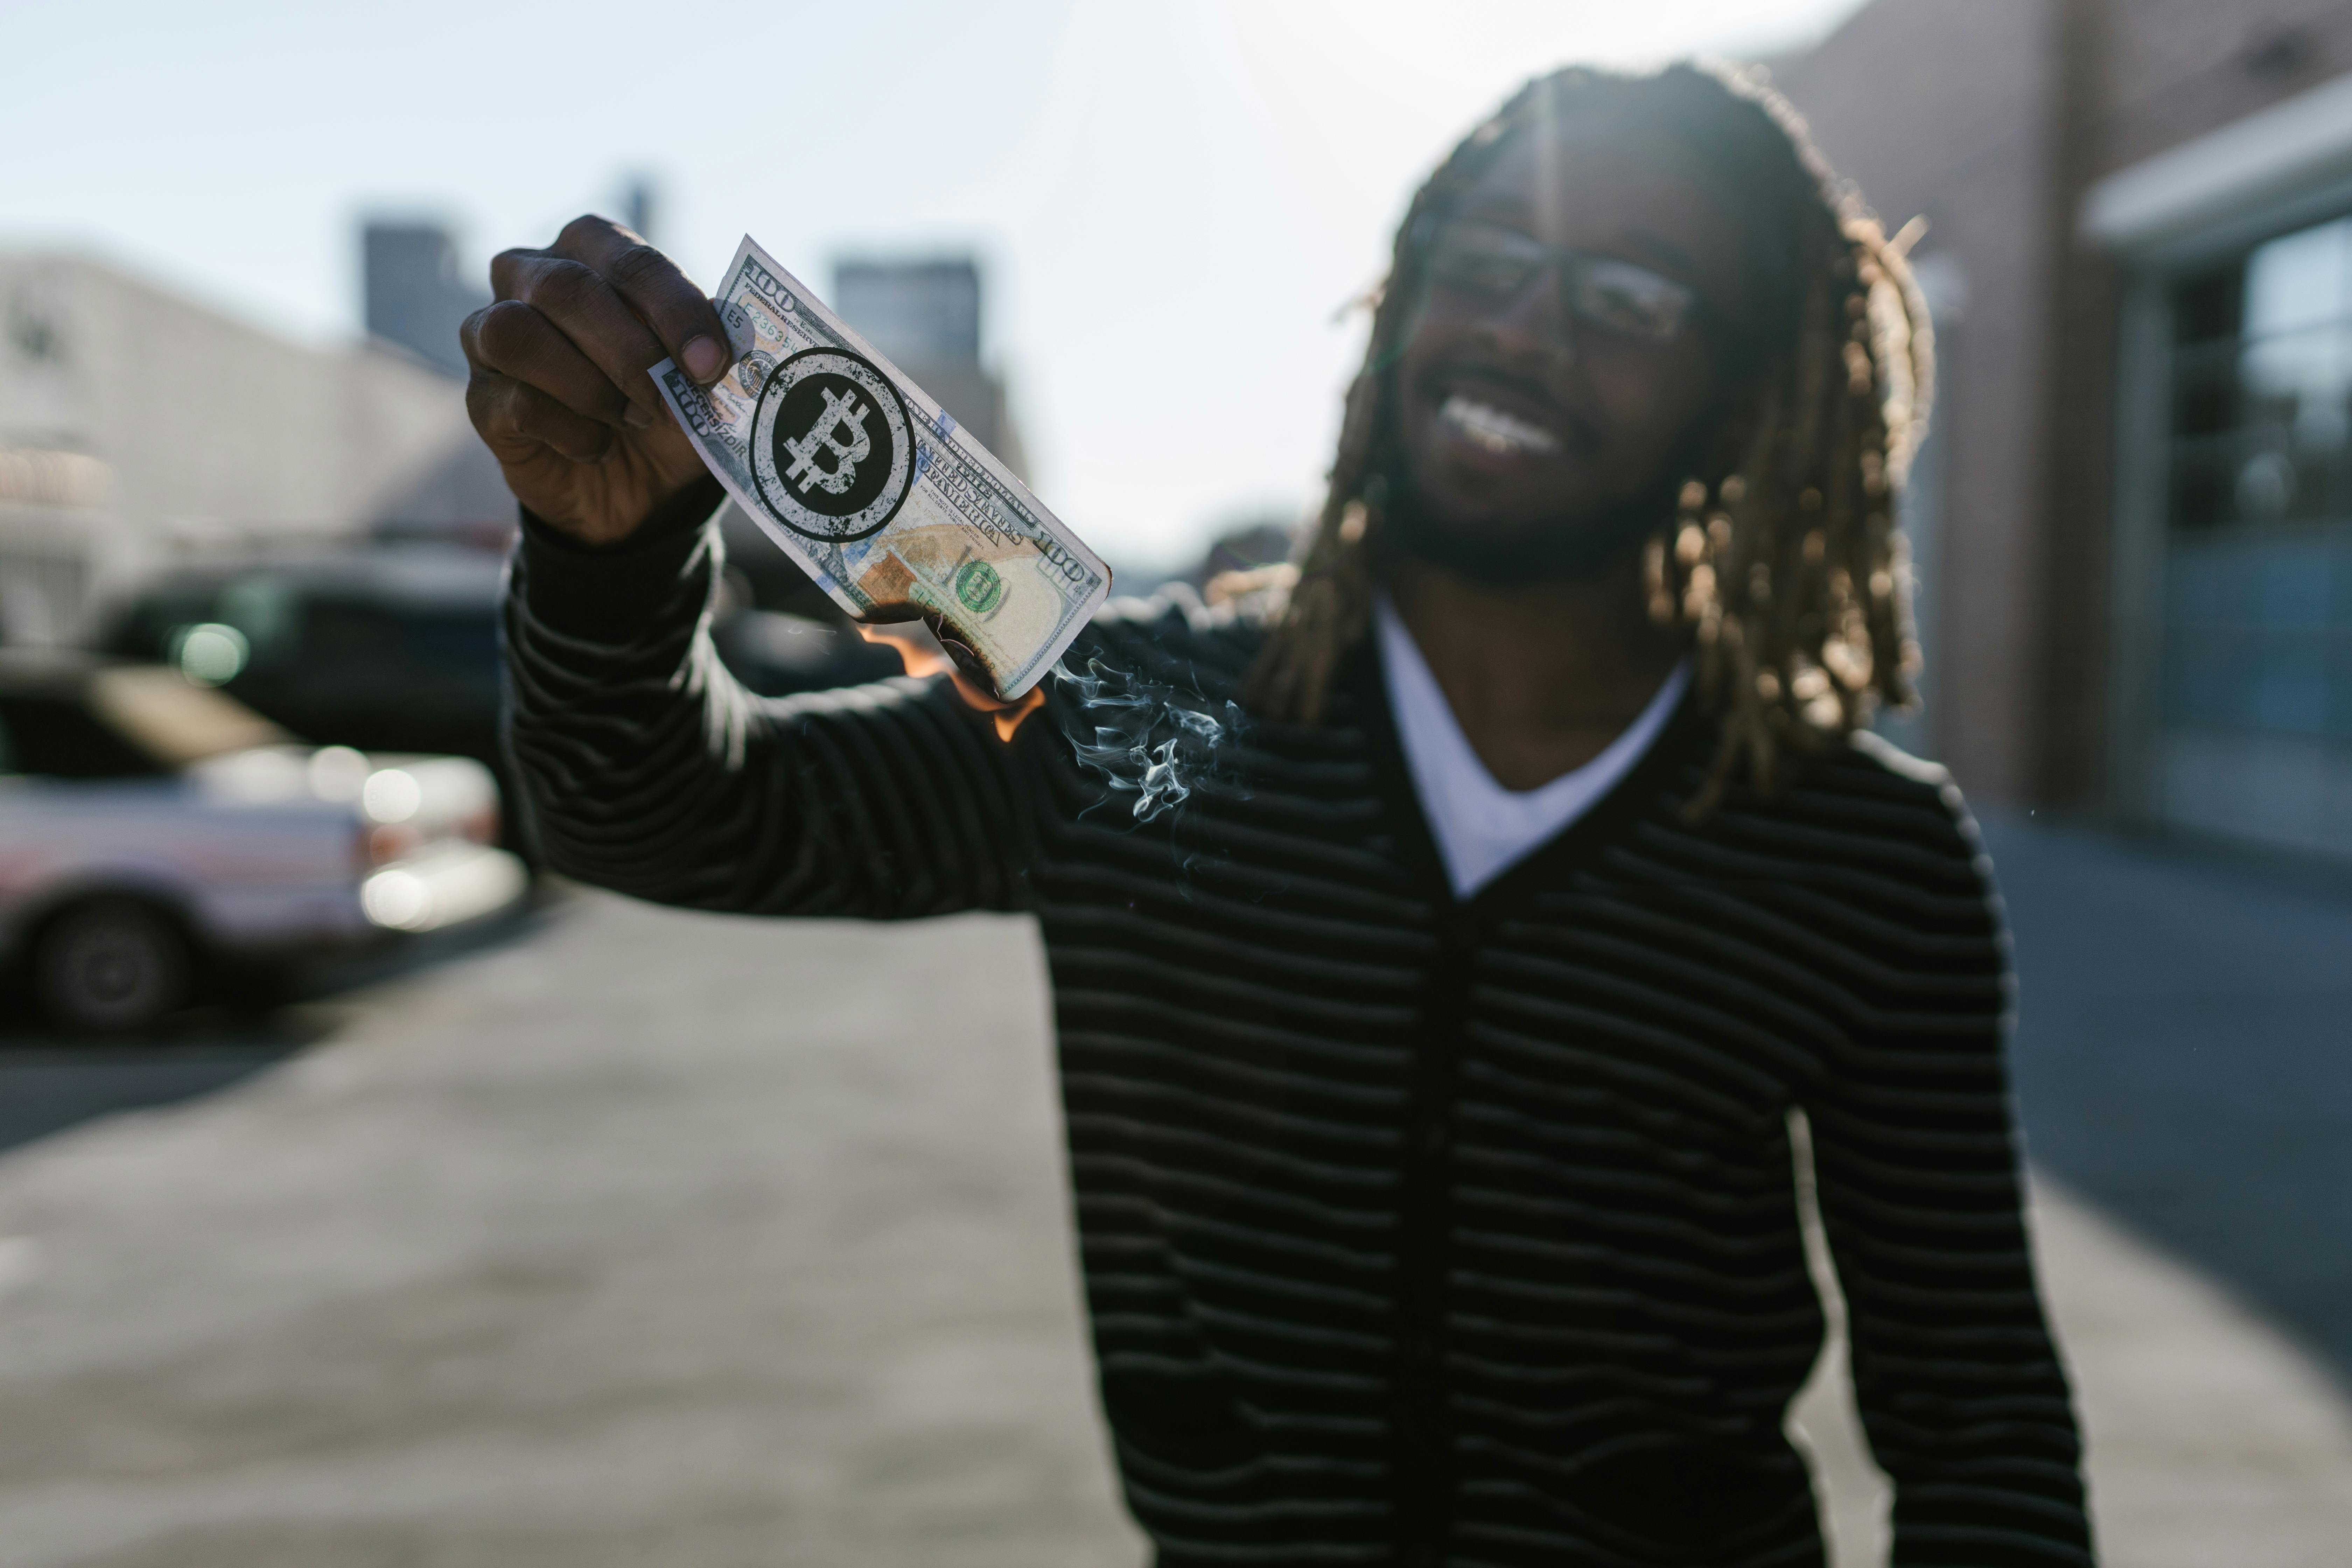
point(2258, 613)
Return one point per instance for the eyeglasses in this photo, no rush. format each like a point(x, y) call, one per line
point(1493, 265)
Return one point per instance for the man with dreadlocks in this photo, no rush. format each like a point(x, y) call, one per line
point(1446, 1076)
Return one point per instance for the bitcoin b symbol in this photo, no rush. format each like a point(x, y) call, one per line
point(806, 470)
point(833, 447)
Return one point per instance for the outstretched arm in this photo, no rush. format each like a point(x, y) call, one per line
point(642, 765)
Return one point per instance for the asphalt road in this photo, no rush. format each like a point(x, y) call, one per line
point(624, 1235)
point(651, 1238)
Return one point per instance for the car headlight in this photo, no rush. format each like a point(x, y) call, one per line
point(400, 899)
point(391, 795)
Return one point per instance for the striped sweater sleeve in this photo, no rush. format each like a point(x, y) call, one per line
point(644, 767)
point(1960, 1388)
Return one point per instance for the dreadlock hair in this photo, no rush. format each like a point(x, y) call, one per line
point(1781, 562)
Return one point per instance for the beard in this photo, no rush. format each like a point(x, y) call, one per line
point(1563, 548)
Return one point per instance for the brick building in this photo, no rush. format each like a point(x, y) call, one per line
point(2134, 520)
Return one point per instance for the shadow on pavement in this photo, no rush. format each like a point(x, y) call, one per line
point(2184, 1055)
point(46, 1087)
point(50, 1082)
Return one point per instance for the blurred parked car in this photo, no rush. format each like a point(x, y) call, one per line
point(392, 649)
point(396, 648)
point(156, 835)
point(776, 654)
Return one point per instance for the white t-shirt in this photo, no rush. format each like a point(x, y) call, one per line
point(1483, 829)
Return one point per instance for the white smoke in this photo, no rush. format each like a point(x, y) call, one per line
point(1140, 737)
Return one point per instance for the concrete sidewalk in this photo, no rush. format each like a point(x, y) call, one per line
point(2184, 1057)
point(664, 1238)
point(2211, 1440)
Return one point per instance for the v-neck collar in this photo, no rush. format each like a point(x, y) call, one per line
point(1680, 744)
point(1483, 828)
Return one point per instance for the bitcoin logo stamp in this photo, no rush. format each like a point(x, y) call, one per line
point(833, 446)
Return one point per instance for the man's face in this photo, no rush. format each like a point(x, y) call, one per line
point(1530, 418)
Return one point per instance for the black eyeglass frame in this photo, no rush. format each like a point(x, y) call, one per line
point(1567, 266)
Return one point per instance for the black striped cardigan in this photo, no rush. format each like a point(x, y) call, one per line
point(1413, 1230)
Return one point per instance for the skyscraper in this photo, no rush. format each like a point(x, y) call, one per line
point(415, 296)
point(925, 315)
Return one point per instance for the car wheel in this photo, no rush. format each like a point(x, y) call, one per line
point(110, 966)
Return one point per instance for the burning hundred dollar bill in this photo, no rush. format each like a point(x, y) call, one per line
point(875, 490)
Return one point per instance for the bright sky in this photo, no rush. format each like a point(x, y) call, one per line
point(1173, 203)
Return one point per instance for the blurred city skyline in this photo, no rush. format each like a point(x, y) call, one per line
point(1171, 207)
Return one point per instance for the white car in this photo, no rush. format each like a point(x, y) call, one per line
point(153, 832)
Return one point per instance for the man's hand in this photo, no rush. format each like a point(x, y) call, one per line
point(559, 391)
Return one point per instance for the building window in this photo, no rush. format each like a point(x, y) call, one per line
point(2258, 633)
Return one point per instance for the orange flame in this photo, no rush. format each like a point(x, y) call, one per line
point(923, 659)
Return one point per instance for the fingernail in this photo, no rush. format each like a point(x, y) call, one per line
point(704, 358)
point(638, 419)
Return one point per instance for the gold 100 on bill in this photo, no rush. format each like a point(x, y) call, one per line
point(874, 488)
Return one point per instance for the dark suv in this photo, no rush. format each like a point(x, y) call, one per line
point(391, 648)
point(394, 647)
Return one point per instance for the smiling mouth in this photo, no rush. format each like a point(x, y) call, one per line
point(1491, 429)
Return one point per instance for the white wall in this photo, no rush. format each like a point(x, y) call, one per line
point(214, 436)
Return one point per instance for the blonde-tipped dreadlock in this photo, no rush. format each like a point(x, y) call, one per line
point(1782, 562)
